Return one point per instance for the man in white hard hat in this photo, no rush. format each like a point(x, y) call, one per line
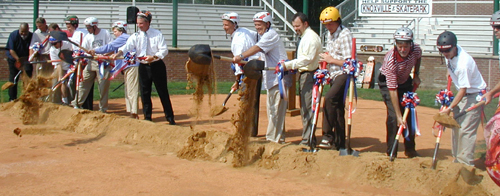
point(270, 43)
point(97, 37)
point(242, 39)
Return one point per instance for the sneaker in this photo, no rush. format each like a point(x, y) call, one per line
point(325, 144)
point(411, 154)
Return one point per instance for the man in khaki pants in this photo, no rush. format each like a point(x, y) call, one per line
point(96, 38)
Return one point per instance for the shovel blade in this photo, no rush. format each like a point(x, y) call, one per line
point(345, 152)
point(66, 56)
point(253, 69)
point(200, 54)
point(59, 35)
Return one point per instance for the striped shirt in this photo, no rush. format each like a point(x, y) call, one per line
point(397, 72)
point(339, 46)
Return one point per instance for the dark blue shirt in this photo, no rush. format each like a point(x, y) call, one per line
point(20, 46)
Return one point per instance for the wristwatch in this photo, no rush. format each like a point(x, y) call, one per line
point(242, 57)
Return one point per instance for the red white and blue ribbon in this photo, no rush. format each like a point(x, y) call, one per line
point(352, 69)
point(320, 77)
point(444, 98)
point(103, 65)
point(281, 73)
point(128, 59)
point(410, 100)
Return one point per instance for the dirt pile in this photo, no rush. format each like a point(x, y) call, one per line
point(370, 168)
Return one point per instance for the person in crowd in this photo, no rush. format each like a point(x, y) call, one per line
point(395, 80)
point(338, 46)
point(96, 38)
point(17, 56)
point(150, 44)
point(242, 39)
point(306, 64)
point(270, 43)
point(469, 82)
point(60, 68)
point(130, 71)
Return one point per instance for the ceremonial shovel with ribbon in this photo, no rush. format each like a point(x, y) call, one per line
point(410, 100)
point(352, 68)
point(321, 78)
point(444, 98)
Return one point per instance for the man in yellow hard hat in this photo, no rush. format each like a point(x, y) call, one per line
point(339, 45)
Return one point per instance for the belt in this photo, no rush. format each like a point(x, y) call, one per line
point(467, 94)
point(307, 72)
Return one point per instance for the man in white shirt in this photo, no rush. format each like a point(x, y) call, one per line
point(96, 38)
point(306, 63)
point(150, 44)
point(242, 39)
point(468, 80)
point(272, 46)
point(42, 69)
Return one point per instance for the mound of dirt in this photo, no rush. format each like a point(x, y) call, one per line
point(370, 168)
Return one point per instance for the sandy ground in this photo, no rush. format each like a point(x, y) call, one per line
point(78, 152)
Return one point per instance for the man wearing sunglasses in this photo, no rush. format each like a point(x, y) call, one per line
point(468, 80)
point(395, 80)
point(150, 44)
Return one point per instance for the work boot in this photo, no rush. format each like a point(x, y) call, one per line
point(325, 144)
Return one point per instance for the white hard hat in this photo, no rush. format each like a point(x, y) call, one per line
point(371, 58)
point(263, 16)
point(92, 21)
point(120, 24)
point(231, 16)
point(403, 34)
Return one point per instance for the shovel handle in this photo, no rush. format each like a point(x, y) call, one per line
point(227, 98)
point(228, 59)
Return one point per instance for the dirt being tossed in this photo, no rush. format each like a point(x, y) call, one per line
point(33, 90)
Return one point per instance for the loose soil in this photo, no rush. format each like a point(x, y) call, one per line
point(80, 152)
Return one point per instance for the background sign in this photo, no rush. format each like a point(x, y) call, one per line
point(418, 8)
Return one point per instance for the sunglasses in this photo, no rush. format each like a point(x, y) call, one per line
point(445, 50)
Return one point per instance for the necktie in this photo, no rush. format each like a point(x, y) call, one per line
point(145, 45)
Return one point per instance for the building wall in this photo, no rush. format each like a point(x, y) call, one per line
point(462, 8)
point(432, 71)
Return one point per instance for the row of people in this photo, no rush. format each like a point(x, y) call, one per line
point(148, 43)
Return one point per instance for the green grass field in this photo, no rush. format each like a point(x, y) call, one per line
point(179, 88)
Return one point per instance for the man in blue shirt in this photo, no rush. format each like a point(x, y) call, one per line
point(18, 52)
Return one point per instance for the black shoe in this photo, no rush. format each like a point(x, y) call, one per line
point(171, 121)
point(411, 154)
point(148, 119)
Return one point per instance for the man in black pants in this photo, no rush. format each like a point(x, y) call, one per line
point(150, 44)
point(17, 52)
point(395, 80)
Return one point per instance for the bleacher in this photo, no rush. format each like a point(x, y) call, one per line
point(197, 24)
point(474, 33)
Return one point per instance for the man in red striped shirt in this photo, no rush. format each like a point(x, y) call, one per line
point(395, 80)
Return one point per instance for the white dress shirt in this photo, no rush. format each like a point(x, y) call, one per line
point(243, 39)
point(139, 41)
point(274, 50)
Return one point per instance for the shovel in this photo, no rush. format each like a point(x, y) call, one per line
point(349, 150)
point(316, 102)
point(10, 84)
point(219, 110)
point(61, 36)
point(253, 69)
point(440, 131)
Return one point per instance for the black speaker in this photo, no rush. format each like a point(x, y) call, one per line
point(132, 14)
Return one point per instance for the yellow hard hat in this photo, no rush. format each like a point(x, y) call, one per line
point(329, 14)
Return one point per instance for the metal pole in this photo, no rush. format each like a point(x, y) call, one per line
point(175, 4)
point(305, 7)
point(35, 13)
point(495, 41)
